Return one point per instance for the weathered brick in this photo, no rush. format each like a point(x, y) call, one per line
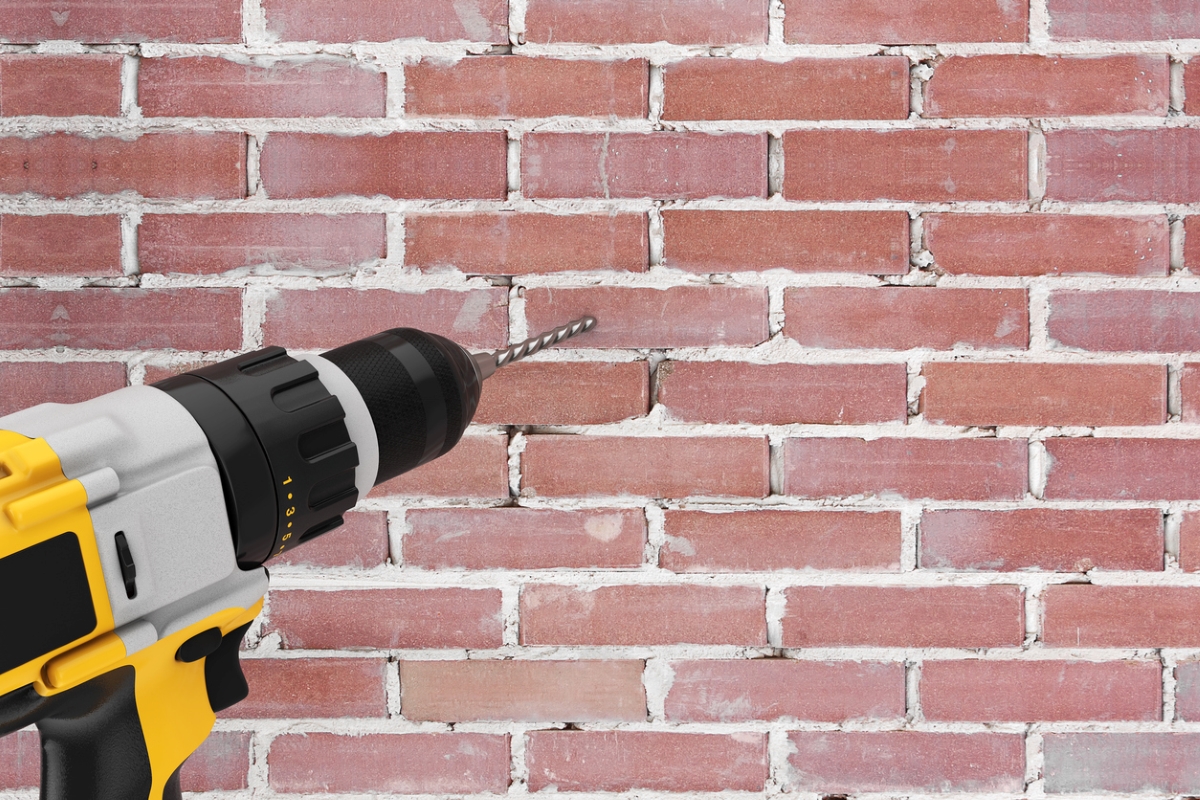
point(1082, 615)
point(565, 393)
point(676, 466)
point(418, 164)
point(1041, 86)
point(157, 372)
point(943, 469)
point(221, 763)
point(529, 691)
point(28, 383)
point(169, 165)
point(903, 317)
point(916, 165)
point(122, 21)
point(362, 542)
point(779, 394)
point(410, 763)
point(961, 393)
point(1033, 691)
point(805, 88)
point(1187, 691)
point(20, 760)
point(622, 21)
point(671, 165)
point(1189, 543)
point(1191, 226)
point(1048, 244)
point(1191, 87)
point(1123, 469)
point(769, 540)
point(60, 244)
point(904, 22)
point(1042, 539)
point(313, 687)
point(524, 538)
point(386, 618)
point(121, 319)
point(213, 243)
point(1124, 20)
point(385, 20)
point(866, 242)
point(60, 86)
point(506, 243)
point(893, 616)
point(643, 615)
point(327, 318)
point(1119, 320)
point(774, 688)
point(889, 761)
point(1162, 763)
point(513, 87)
point(617, 761)
point(477, 467)
point(1101, 166)
point(681, 316)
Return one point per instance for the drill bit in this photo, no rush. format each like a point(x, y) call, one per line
point(490, 362)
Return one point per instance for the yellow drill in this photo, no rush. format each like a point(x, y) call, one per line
point(135, 527)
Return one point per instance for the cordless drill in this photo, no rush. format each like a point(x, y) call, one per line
point(135, 527)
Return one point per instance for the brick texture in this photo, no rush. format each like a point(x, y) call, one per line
point(677, 21)
point(1120, 616)
point(382, 21)
point(477, 467)
point(60, 86)
point(28, 383)
point(1187, 691)
point(849, 22)
point(361, 543)
point(1123, 469)
point(20, 760)
point(1124, 21)
point(60, 244)
point(313, 687)
point(1100, 166)
point(221, 763)
point(125, 21)
point(1122, 762)
point(565, 393)
point(1165, 321)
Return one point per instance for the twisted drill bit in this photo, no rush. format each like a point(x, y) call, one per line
point(490, 362)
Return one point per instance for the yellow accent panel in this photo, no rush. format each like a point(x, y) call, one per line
point(89, 660)
point(46, 504)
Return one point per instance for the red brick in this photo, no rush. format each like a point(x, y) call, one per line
point(1158, 322)
point(155, 373)
point(916, 165)
point(1042, 539)
point(617, 761)
point(622, 21)
point(904, 22)
point(895, 616)
point(385, 20)
point(386, 618)
point(477, 467)
point(412, 763)
point(677, 466)
point(506, 243)
point(681, 316)
point(904, 317)
point(805, 88)
point(643, 615)
point(524, 538)
point(1101, 166)
point(20, 760)
point(28, 383)
point(212, 243)
point(768, 540)
point(221, 763)
point(60, 86)
point(328, 318)
point(1189, 543)
point(774, 688)
point(122, 319)
point(418, 164)
point(313, 687)
point(1083, 615)
point(779, 394)
point(514, 87)
point(169, 165)
point(1040, 86)
point(942, 469)
point(1163, 763)
point(60, 244)
point(865, 242)
point(961, 393)
point(1124, 20)
point(1187, 691)
point(215, 87)
point(1035, 691)
point(122, 21)
point(1191, 87)
point(529, 691)
point(890, 761)
point(565, 393)
point(1123, 469)
point(671, 165)
point(1048, 244)
point(361, 543)
point(1191, 226)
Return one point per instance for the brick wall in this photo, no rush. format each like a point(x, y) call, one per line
point(878, 475)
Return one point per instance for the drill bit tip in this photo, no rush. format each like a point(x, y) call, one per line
point(490, 362)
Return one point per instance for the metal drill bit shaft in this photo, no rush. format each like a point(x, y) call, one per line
point(490, 362)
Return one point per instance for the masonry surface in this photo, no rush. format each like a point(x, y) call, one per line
point(878, 477)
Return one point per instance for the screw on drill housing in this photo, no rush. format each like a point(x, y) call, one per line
point(490, 362)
